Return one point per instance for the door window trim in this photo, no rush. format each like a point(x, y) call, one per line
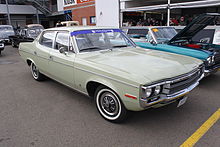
point(53, 40)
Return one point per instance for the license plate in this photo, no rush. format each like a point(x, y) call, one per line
point(182, 101)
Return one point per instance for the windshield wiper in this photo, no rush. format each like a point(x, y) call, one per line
point(90, 48)
point(119, 46)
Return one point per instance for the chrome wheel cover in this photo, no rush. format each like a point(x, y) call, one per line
point(34, 71)
point(108, 104)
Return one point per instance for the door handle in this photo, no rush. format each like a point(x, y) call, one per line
point(51, 57)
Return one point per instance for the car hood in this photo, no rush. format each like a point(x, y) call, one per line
point(141, 65)
point(195, 26)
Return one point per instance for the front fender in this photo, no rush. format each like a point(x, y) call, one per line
point(121, 89)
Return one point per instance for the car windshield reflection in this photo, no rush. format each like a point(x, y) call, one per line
point(101, 41)
point(163, 35)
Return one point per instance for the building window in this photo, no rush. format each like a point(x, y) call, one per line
point(92, 20)
point(69, 2)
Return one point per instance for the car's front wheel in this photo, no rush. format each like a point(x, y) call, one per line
point(36, 73)
point(13, 43)
point(109, 105)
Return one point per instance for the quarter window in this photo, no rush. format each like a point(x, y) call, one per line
point(47, 39)
point(62, 41)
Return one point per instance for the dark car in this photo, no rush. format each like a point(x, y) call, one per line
point(5, 32)
point(27, 34)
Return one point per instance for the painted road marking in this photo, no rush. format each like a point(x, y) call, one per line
point(191, 141)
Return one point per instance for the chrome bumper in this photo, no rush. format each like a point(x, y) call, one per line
point(210, 71)
point(168, 98)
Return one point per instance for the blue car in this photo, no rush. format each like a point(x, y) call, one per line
point(167, 39)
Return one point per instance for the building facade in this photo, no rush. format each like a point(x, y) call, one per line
point(20, 14)
point(131, 12)
point(82, 11)
point(23, 12)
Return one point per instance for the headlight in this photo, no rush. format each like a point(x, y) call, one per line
point(213, 59)
point(148, 92)
point(151, 91)
point(209, 60)
point(157, 90)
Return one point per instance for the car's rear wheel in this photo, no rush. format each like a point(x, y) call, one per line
point(36, 73)
point(109, 105)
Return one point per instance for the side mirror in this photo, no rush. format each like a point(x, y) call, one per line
point(62, 50)
point(153, 42)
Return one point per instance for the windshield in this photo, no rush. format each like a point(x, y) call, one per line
point(163, 35)
point(93, 40)
point(34, 32)
point(6, 31)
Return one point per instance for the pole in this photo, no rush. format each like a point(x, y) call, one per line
point(38, 20)
point(120, 14)
point(9, 18)
point(168, 13)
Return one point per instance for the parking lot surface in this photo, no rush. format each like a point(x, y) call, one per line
point(49, 114)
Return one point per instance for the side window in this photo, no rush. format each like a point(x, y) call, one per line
point(62, 41)
point(47, 39)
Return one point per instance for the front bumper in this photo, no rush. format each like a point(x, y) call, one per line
point(166, 99)
point(212, 69)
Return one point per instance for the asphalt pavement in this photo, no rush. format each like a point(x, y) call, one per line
point(48, 114)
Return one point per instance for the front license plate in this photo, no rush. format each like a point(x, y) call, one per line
point(182, 101)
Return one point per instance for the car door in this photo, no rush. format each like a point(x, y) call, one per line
point(62, 58)
point(42, 51)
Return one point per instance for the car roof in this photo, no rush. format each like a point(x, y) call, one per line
point(33, 25)
point(77, 28)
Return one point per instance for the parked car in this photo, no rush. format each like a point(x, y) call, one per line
point(67, 23)
point(168, 40)
point(2, 46)
point(105, 64)
point(27, 34)
point(5, 32)
point(210, 34)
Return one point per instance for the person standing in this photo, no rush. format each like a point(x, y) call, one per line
point(182, 21)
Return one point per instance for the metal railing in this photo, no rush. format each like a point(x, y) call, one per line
point(41, 5)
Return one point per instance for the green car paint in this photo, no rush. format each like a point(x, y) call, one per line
point(124, 70)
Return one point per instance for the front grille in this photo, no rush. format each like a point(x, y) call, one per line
point(185, 82)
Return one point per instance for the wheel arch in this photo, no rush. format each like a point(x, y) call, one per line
point(29, 61)
point(92, 85)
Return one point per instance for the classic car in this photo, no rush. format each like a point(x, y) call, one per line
point(5, 32)
point(67, 23)
point(27, 34)
point(210, 34)
point(2, 46)
point(168, 40)
point(105, 64)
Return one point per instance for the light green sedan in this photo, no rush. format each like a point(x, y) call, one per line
point(105, 64)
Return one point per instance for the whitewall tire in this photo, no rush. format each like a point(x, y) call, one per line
point(109, 105)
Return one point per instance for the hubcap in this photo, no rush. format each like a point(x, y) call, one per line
point(34, 71)
point(109, 104)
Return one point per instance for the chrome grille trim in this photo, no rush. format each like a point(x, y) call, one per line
point(184, 81)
